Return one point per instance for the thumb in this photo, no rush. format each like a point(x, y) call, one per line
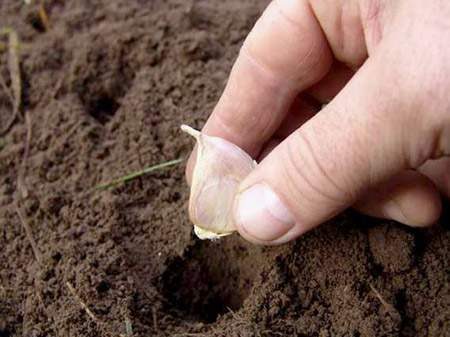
point(359, 140)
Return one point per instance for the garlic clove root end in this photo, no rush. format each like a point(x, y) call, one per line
point(204, 234)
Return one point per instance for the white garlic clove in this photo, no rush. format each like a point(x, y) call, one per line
point(220, 167)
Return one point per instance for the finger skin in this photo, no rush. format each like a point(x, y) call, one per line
point(333, 82)
point(302, 109)
point(393, 115)
point(263, 84)
point(410, 198)
point(439, 172)
point(342, 25)
point(337, 156)
point(284, 54)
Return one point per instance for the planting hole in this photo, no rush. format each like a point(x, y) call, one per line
point(5, 333)
point(210, 279)
point(35, 21)
point(103, 108)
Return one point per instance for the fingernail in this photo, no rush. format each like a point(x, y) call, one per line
point(394, 211)
point(262, 214)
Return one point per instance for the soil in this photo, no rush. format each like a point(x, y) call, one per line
point(106, 87)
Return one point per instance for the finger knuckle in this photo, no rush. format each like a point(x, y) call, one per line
point(286, 41)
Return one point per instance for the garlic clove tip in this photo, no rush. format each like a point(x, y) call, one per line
point(190, 131)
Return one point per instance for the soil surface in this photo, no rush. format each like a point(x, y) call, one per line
point(106, 86)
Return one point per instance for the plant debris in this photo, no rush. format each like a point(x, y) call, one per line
point(15, 76)
point(137, 174)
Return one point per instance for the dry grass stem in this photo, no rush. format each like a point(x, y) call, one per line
point(388, 306)
point(6, 89)
point(137, 174)
point(29, 234)
point(21, 185)
point(86, 309)
point(128, 327)
point(43, 16)
point(155, 319)
point(81, 303)
point(14, 71)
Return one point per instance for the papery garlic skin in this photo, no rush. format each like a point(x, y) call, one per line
point(219, 168)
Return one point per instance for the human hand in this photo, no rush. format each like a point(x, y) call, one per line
point(380, 145)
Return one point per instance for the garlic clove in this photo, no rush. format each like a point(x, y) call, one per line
point(219, 168)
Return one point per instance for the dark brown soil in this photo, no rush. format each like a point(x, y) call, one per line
point(106, 88)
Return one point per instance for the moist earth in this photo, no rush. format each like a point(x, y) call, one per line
point(106, 85)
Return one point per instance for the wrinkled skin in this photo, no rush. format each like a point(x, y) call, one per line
point(381, 144)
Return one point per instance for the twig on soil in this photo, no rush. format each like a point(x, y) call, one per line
point(128, 327)
point(43, 16)
point(81, 303)
point(155, 319)
point(29, 233)
point(14, 71)
point(86, 308)
point(57, 87)
point(21, 185)
point(141, 165)
point(389, 307)
point(137, 174)
point(6, 89)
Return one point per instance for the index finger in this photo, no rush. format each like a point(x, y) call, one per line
point(284, 53)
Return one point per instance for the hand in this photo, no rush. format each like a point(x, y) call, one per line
point(382, 141)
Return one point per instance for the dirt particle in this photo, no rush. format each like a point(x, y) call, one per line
point(392, 247)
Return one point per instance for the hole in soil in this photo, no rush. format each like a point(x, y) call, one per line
point(102, 287)
point(35, 21)
point(5, 333)
point(401, 300)
point(210, 279)
point(103, 108)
